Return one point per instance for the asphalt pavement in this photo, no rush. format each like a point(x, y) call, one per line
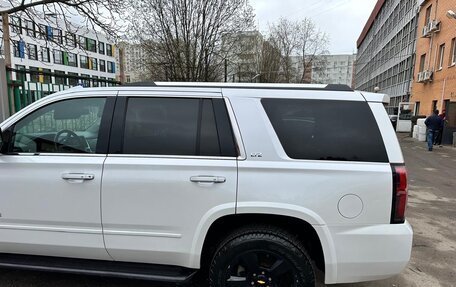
point(431, 211)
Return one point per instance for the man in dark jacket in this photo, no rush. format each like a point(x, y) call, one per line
point(433, 124)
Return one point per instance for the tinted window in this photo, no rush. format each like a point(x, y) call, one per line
point(70, 126)
point(326, 130)
point(171, 126)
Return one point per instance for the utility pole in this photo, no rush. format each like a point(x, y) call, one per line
point(226, 70)
point(5, 74)
point(6, 39)
point(122, 63)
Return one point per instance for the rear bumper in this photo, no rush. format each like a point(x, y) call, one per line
point(368, 253)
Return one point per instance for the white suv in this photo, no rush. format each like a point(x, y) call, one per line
point(254, 185)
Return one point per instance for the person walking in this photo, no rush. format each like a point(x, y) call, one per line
point(438, 138)
point(433, 124)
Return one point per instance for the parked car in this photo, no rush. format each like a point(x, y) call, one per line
point(249, 184)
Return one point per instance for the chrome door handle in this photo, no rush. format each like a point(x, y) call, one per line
point(207, 179)
point(78, 176)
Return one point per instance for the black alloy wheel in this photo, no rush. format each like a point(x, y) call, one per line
point(261, 257)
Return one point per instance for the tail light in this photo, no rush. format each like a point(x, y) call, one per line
point(399, 194)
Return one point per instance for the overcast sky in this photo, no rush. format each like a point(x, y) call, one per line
point(343, 20)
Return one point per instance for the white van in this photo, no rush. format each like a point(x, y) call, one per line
point(249, 184)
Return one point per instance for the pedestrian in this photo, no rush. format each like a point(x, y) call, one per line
point(438, 138)
point(433, 124)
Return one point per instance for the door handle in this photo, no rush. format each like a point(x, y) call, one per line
point(207, 179)
point(78, 176)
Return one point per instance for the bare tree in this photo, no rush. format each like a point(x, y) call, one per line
point(101, 15)
point(301, 45)
point(184, 38)
point(270, 63)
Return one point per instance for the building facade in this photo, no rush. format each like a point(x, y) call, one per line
point(134, 61)
point(334, 69)
point(386, 50)
point(46, 58)
point(435, 66)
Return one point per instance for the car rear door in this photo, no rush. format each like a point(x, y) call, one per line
point(171, 170)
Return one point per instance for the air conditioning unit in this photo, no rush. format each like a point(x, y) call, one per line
point(420, 77)
point(427, 77)
point(434, 26)
point(426, 31)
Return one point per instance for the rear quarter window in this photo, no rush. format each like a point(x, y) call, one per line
point(326, 130)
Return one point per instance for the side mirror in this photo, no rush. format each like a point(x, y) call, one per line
point(6, 137)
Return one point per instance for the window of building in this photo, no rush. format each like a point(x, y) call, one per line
point(101, 48)
point(70, 39)
point(171, 126)
point(102, 65)
point(16, 25)
point(32, 52)
point(427, 17)
point(34, 74)
point(72, 60)
point(46, 77)
point(422, 62)
point(82, 42)
point(58, 57)
point(453, 52)
point(434, 105)
point(102, 81)
point(91, 45)
point(85, 80)
point(94, 64)
point(19, 49)
point(109, 50)
point(111, 67)
point(60, 80)
point(441, 56)
point(45, 55)
point(95, 82)
point(73, 79)
point(84, 63)
point(58, 36)
point(41, 31)
point(314, 130)
point(30, 28)
point(417, 108)
point(21, 76)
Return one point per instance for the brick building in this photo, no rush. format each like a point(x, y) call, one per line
point(434, 85)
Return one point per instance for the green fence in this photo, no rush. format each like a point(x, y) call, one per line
point(28, 86)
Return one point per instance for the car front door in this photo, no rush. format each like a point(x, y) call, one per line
point(50, 177)
point(171, 169)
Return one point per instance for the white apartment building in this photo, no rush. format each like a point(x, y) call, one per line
point(333, 69)
point(57, 58)
point(134, 60)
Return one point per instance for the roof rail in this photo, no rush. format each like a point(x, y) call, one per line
point(277, 86)
point(141, 84)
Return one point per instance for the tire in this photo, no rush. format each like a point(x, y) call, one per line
point(261, 256)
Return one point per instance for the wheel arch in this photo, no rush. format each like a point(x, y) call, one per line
point(314, 238)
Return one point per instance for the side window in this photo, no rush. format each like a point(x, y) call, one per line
point(173, 126)
point(69, 126)
point(326, 130)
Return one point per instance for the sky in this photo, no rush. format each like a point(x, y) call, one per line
point(342, 20)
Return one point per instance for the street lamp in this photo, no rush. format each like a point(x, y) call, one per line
point(451, 14)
